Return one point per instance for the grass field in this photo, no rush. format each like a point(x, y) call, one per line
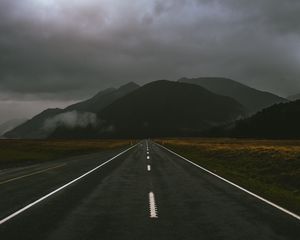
point(21, 152)
point(268, 168)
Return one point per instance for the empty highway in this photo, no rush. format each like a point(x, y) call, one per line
point(141, 192)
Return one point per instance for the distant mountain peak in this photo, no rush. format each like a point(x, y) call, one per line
point(106, 91)
point(34, 127)
point(168, 108)
point(129, 86)
point(217, 80)
point(253, 99)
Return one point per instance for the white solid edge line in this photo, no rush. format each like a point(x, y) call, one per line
point(153, 208)
point(235, 185)
point(59, 189)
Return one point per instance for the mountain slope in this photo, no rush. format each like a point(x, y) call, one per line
point(294, 97)
point(8, 125)
point(163, 108)
point(254, 100)
point(279, 121)
point(103, 99)
point(35, 128)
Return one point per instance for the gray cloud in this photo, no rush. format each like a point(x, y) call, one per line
point(52, 48)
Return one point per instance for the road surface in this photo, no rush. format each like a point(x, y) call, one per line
point(144, 192)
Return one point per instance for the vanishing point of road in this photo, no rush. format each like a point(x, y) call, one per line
point(142, 192)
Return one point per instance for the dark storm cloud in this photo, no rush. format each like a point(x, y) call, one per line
point(66, 48)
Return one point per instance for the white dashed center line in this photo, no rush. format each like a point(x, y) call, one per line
point(153, 208)
point(148, 157)
point(149, 168)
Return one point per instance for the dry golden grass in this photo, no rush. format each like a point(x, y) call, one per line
point(268, 167)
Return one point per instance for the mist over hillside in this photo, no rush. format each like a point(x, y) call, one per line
point(39, 125)
point(188, 107)
point(163, 108)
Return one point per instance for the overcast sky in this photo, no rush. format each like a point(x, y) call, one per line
point(53, 52)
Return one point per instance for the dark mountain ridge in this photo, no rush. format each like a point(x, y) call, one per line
point(103, 99)
point(254, 100)
point(163, 108)
point(188, 107)
point(11, 124)
point(34, 128)
point(280, 121)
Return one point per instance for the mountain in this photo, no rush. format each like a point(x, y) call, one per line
point(279, 121)
point(253, 100)
point(103, 99)
point(35, 127)
point(162, 108)
point(9, 125)
point(294, 97)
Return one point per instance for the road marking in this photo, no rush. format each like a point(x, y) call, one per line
point(148, 157)
point(149, 168)
point(60, 188)
point(235, 185)
point(148, 153)
point(153, 208)
point(31, 174)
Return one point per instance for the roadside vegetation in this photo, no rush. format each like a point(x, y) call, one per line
point(22, 152)
point(270, 168)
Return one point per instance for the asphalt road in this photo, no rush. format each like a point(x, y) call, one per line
point(132, 196)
